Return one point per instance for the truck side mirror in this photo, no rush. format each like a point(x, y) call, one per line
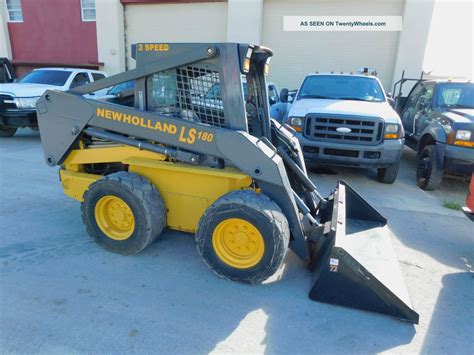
point(390, 99)
point(291, 98)
point(284, 95)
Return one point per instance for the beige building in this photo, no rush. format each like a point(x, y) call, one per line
point(435, 35)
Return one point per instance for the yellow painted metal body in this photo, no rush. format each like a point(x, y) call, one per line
point(238, 243)
point(187, 190)
point(108, 155)
point(76, 183)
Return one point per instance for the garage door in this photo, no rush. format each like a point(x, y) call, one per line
point(201, 22)
point(299, 53)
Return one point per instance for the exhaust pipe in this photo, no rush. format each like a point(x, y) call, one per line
point(356, 265)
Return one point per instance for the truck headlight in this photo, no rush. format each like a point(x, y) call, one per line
point(27, 102)
point(296, 123)
point(463, 135)
point(461, 138)
point(392, 131)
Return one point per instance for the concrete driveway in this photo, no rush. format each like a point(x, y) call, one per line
point(62, 294)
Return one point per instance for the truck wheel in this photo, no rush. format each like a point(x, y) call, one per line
point(243, 237)
point(429, 172)
point(7, 131)
point(123, 212)
point(388, 175)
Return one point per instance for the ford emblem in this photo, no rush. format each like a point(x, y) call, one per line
point(344, 130)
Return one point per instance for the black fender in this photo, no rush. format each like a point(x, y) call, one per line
point(434, 134)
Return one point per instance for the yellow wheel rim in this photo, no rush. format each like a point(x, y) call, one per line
point(114, 217)
point(238, 243)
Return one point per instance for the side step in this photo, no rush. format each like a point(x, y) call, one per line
point(358, 267)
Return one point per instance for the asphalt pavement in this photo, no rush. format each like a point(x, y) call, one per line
point(62, 294)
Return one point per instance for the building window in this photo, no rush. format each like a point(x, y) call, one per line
point(15, 14)
point(88, 10)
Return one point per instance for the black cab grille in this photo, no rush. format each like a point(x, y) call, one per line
point(352, 129)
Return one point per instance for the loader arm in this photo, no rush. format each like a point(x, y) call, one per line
point(69, 117)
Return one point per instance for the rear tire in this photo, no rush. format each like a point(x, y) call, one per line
point(243, 237)
point(123, 213)
point(6, 131)
point(429, 172)
point(388, 175)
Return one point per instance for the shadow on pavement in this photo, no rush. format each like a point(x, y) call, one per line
point(451, 188)
point(322, 170)
point(188, 309)
point(416, 217)
point(81, 298)
point(452, 317)
point(24, 134)
point(446, 242)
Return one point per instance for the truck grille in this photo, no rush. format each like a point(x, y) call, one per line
point(363, 130)
point(4, 102)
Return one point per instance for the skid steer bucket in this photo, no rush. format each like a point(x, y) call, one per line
point(357, 267)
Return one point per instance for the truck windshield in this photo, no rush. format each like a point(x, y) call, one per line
point(459, 95)
point(46, 77)
point(341, 87)
point(117, 89)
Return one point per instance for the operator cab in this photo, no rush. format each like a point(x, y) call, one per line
point(194, 92)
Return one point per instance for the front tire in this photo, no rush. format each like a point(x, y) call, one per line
point(429, 172)
point(243, 237)
point(6, 131)
point(123, 213)
point(388, 175)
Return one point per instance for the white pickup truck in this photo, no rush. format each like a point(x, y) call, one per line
point(346, 119)
point(18, 99)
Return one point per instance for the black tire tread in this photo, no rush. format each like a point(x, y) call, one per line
point(6, 132)
point(388, 175)
point(262, 204)
point(149, 198)
point(436, 173)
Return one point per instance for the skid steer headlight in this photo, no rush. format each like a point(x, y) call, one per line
point(296, 123)
point(246, 65)
point(392, 131)
point(266, 68)
point(246, 61)
point(27, 102)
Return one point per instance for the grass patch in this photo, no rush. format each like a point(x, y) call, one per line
point(452, 205)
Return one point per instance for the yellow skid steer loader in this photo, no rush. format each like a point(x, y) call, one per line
point(197, 152)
